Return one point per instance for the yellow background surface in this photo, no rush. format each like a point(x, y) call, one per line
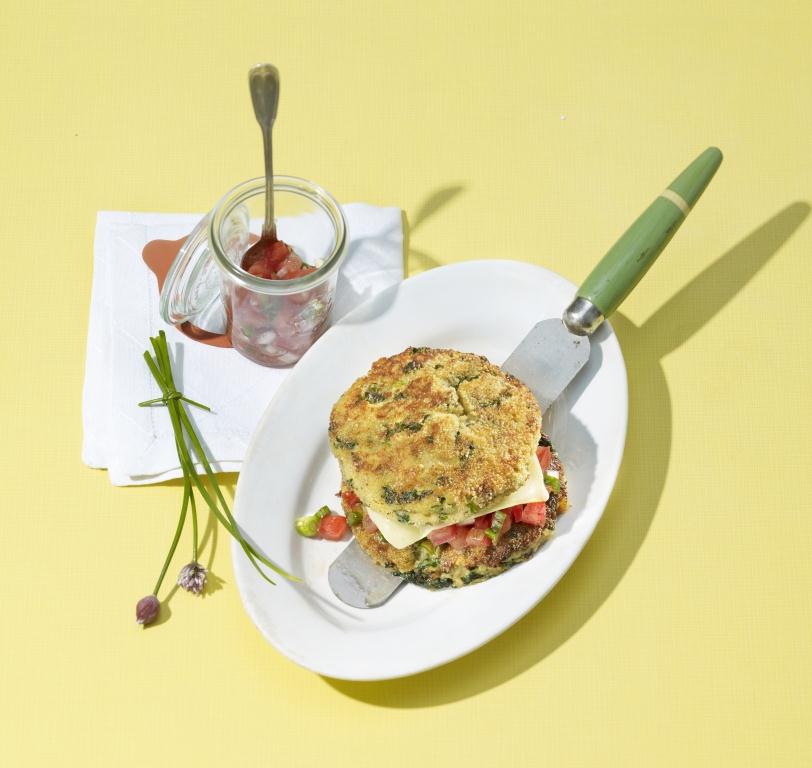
point(534, 131)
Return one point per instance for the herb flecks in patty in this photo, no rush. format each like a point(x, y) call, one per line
point(391, 496)
point(403, 426)
point(374, 395)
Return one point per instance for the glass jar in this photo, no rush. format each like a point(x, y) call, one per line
point(272, 322)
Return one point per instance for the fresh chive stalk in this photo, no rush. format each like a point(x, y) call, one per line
point(185, 436)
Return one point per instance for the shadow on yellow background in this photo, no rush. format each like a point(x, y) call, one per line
point(416, 260)
point(631, 509)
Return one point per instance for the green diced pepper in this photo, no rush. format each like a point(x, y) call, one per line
point(309, 524)
point(496, 526)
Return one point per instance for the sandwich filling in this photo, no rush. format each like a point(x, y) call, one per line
point(401, 535)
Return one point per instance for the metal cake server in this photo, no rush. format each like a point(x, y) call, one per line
point(555, 350)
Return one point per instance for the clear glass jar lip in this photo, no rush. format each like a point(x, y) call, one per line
point(294, 185)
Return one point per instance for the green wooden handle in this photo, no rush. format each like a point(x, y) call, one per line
point(631, 256)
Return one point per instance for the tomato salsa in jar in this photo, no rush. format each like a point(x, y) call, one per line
point(276, 299)
point(277, 329)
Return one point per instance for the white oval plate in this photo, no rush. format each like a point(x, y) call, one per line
point(479, 306)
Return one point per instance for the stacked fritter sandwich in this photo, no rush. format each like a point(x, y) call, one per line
point(446, 476)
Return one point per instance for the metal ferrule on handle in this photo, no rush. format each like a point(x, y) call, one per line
point(633, 254)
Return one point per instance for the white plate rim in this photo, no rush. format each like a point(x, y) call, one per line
point(243, 570)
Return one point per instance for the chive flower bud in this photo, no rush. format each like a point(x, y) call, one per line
point(192, 577)
point(147, 610)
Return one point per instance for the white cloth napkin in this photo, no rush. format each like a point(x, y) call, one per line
point(136, 445)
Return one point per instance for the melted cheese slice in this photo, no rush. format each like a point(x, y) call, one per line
point(401, 535)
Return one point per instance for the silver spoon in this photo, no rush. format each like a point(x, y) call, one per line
point(263, 82)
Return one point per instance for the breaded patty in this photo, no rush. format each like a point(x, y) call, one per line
point(444, 566)
point(432, 435)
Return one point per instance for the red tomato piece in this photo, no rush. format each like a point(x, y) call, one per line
point(483, 522)
point(260, 269)
point(290, 265)
point(460, 538)
point(535, 513)
point(442, 535)
point(333, 527)
point(369, 524)
point(276, 254)
point(544, 455)
point(514, 512)
point(476, 538)
point(350, 498)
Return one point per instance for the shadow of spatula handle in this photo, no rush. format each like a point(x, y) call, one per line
point(633, 254)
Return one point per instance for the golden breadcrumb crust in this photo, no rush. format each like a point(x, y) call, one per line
point(432, 435)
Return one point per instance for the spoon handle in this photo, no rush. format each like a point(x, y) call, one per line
point(263, 82)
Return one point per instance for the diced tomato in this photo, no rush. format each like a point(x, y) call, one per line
point(350, 498)
point(290, 265)
point(282, 259)
point(514, 512)
point(476, 538)
point(535, 513)
point(261, 269)
point(301, 272)
point(369, 524)
point(442, 535)
point(544, 455)
point(333, 527)
point(483, 522)
point(460, 538)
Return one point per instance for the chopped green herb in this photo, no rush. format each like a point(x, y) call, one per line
point(402, 516)
point(426, 554)
point(374, 395)
point(412, 365)
point(403, 426)
point(391, 496)
point(457, 380)
point(496, 526)
point(552, 483)
point(471, 577)
point(418, 350)
point(346, 444)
